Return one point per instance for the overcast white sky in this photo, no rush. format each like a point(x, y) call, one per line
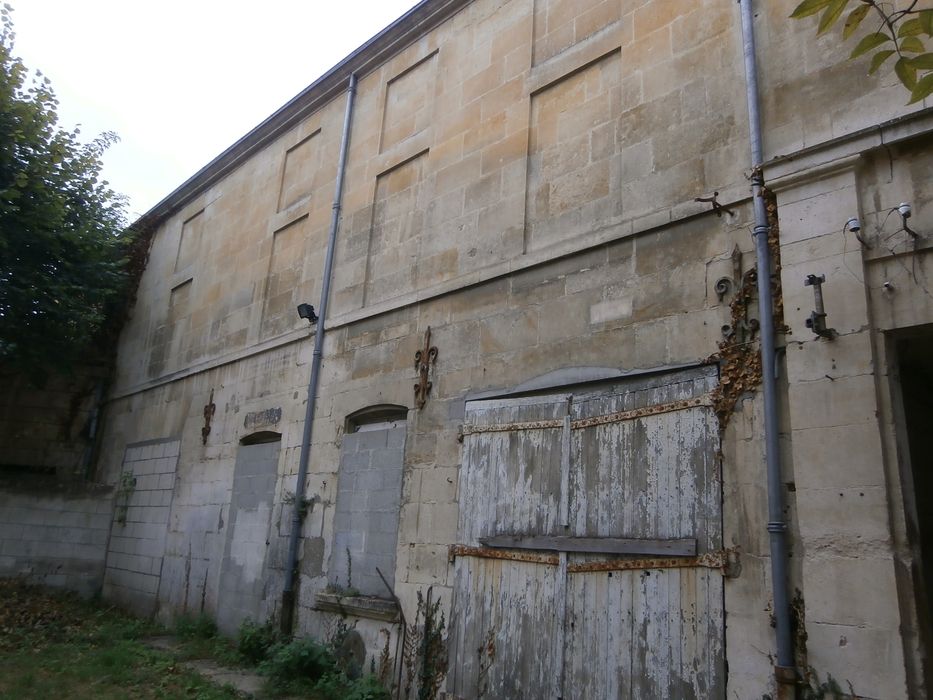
point(180, 80)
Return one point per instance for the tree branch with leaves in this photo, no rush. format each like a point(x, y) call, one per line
point(63, 247)
point(894, 32)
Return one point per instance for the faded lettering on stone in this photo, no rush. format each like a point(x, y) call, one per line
point(258, 419)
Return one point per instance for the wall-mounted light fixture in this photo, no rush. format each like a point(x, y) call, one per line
point(306, 311)
point(854, 225)
point(905, 210)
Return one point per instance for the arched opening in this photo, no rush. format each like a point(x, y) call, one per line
point(380, 416)
point(260, 437)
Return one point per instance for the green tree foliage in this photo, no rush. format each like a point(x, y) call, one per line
point(886, 32)
point(62, 267)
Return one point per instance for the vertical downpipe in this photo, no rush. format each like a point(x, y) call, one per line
point(288, 592)
point(93, 426)
point(777, 529)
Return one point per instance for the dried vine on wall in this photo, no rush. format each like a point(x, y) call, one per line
point(739, 352)
point(774, 246)
point(425, 652)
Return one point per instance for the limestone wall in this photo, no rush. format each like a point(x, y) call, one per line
point(521, 181)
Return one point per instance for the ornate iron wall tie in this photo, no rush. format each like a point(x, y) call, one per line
point(424, 358)
point(209, 410)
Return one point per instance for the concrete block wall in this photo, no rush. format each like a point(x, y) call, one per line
point(137, 542)
point(55, 536)
point(367, 510)
point(244, 586)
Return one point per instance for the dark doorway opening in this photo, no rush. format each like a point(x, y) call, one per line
point(913, 351)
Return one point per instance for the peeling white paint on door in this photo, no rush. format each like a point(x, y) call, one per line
point(532, 630)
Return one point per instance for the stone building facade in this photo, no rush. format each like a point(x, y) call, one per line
point(583, 490)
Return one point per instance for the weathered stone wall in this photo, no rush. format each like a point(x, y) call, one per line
point(45, 429)
point(522, 181)
point(849, 500)
point(54, 535)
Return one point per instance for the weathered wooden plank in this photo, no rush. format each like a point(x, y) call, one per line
point(682, 547)
point(560, 624)
point(512, 479)
point(565, 460)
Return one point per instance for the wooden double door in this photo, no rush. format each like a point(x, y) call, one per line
point(590, 555)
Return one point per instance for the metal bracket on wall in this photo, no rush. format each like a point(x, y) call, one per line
point(817, 320)
point(424, 358)
point(209, 410)
point(717, 207)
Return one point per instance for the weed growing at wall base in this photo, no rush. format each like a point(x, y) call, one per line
point(308, 668)
point(254, 641)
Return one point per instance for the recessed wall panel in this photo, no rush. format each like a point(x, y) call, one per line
point(301, 164)
point(285, 288)
point(559, 24)
point(191, 232)
point(573, 165)
point(408, 103)
point(395, 235)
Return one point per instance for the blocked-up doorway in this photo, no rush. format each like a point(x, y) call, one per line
point(590, 562)
point(244, 587)
point(369, 491)
point(913, 352)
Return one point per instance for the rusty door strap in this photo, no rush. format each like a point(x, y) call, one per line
point(582, 423)
point(722, 559)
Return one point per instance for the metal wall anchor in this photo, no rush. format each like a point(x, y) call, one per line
point(424, 358)
point(209, 411)
point(717, 207)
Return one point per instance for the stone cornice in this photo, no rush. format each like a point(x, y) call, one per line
point(838, 153)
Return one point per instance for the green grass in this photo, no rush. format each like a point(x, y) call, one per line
point(55, 646)
point(198, 638)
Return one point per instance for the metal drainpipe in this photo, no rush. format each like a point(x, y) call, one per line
point(92, 429)
point(288, 592)
point(777, 528)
